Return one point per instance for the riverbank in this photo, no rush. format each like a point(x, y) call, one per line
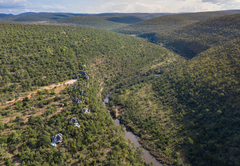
point(134, 139)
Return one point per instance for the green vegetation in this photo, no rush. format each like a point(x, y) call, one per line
point(190, 113)
point(122, 17)
point(184, 111)
point(108, 21)
point(147, 28)
point(33, 56)
point(191, 40)
point(26, 137)
point(37, 17)
point(125, 19)
point(90, 21)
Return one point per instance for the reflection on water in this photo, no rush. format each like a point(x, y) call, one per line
point(129, 135)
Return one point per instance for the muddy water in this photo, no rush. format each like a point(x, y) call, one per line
point(129, 135)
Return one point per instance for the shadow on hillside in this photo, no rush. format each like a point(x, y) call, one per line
point(126, 20)
point(186, 49)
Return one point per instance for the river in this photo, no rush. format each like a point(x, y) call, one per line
point(129, 135)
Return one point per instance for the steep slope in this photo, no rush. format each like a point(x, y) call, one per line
point(33, 57)
point(190, 114)
point(191, 40)
point(169, 22)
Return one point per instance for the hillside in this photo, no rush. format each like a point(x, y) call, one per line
point(190, 113)
point(37, 46)
point(4, 15)
point(107, 21)
point(169, 22)
point(125, 19)
point(35, 59)
point(31, 16)
point(142, 15)
point(50, 18)
point(191, 40)
point(90, 21)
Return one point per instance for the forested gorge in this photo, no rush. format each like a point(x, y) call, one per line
point(33, 57)
point(147, 27)
point(190, 40)
point(190, 112)
point(184, 109)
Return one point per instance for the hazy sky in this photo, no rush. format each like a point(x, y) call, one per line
point(106, 6)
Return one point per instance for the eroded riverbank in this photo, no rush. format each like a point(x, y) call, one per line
point(134, 139)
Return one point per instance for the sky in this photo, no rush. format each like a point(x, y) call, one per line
point(116, 6)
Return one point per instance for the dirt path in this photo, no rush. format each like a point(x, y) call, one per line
point(69, 82)
point(99, 94)
point(118, 110)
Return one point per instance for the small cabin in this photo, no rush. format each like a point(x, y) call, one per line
point(56, 139)
point(83, 92)
point(82, 73)
point(78, 100)
point(85, 84)
point(85, 110)
point(86, 77)
point(75, 87)
point(74, 121)
point(83, 64)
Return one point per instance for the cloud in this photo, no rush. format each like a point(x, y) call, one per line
point(219, 1)
point(154, 6)
point(126, 7)
point(110, 6)
point(50, 7)
point(9, 4)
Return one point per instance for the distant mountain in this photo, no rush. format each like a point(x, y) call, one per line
point(144, 15)
point(27, 13)
point(126, 18)
point(170, 21)
point(29, 17)
point(4, 15)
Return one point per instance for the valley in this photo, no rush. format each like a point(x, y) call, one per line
point(171, 80)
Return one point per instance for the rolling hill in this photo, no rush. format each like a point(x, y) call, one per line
point(91, 21)
point(127, 18)
point(189, 112)
point(191, 40)
point(35, 60)
point(169, 22)
point(107, 21)
point(184, 109)
point(38, 16)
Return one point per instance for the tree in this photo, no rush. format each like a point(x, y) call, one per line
point(2, 126)
point(45, 140)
